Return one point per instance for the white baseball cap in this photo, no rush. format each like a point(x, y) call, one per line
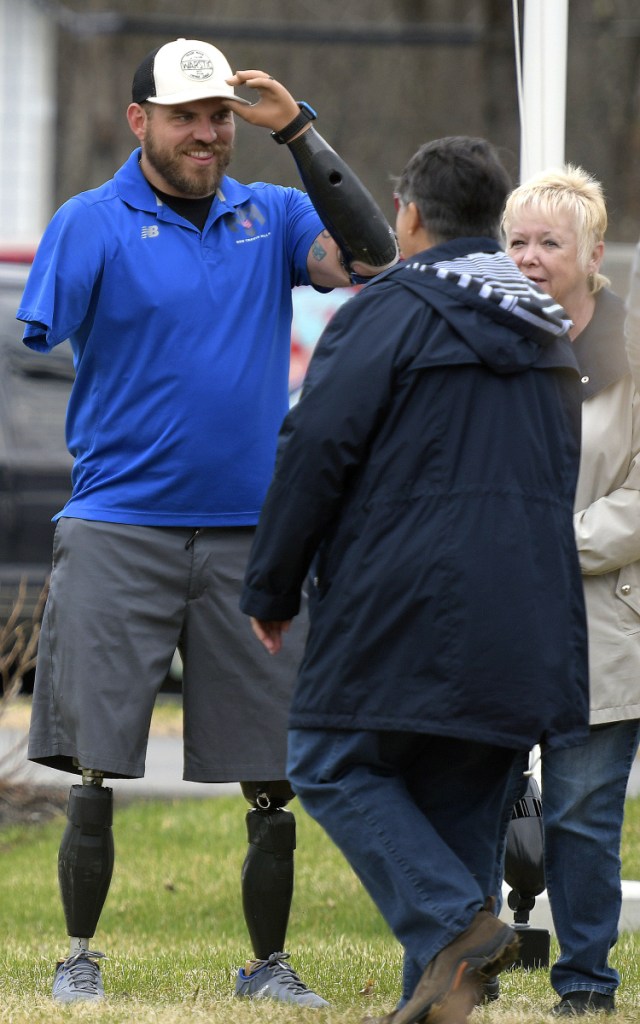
point(183, 71)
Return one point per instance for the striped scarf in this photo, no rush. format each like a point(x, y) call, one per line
point(495, 277)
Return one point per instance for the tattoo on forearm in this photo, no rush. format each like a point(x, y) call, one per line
point(318, 251)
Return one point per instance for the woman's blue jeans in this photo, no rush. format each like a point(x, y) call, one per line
point(583, 795)
point(418, 817)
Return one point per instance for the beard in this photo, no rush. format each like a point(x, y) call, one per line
point(192, 182)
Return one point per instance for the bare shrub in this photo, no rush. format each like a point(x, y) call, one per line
point(19, 643)
point(21, 801)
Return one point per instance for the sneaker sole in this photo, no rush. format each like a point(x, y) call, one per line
point(62, 1000)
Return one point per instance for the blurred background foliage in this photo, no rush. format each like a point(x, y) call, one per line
point(384, 76)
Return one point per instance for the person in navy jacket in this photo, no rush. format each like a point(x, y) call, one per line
point(426, 481)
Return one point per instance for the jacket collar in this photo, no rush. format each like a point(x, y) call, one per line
point(600, 347)
point(457, 247)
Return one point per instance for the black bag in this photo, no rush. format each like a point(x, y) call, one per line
point(524, 860)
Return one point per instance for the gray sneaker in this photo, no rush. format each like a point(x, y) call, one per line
point(275, 979)
point(78, 977)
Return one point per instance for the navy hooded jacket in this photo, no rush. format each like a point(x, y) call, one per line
point(428, 476)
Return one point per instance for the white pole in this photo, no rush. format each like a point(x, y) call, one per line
point(542, 130)
point(27, 115)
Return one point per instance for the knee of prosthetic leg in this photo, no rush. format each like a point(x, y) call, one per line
point(85, 860)
point(270, 828)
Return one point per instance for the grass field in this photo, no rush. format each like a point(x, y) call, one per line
point(173, 930)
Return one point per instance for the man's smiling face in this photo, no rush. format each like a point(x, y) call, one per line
point(186, 149)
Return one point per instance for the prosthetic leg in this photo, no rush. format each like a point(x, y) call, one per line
point(267, 892)
point(267, 873)
point(85, 866)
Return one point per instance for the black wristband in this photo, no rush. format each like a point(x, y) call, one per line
point(286, 134)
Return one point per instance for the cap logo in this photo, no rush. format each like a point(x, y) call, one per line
point(196, 66)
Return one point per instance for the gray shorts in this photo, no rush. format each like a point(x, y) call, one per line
point(122, 599)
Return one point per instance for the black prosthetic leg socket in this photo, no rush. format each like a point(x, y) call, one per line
point(267, 879)
point(85, 860)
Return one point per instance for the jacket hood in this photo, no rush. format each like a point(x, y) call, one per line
point(507, 322)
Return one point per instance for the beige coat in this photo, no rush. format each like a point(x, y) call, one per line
point(607, 514)
point(633, 320)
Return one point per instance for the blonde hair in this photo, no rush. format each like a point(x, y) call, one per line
point(572, 191)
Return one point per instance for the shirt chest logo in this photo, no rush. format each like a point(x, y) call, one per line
point(246, 218)
point(150, 231)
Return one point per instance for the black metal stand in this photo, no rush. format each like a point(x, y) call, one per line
point(534, 942)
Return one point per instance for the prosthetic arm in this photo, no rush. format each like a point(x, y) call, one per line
point(347, 210)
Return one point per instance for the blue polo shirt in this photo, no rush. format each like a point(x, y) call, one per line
point(181, 344)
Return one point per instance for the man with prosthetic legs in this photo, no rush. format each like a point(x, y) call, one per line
point(85, 866)
point(172, 282)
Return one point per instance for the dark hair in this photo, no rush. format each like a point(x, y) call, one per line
point(459, 185)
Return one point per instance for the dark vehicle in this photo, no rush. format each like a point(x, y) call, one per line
point(35, 467)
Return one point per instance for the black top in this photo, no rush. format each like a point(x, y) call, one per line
point(195, 211)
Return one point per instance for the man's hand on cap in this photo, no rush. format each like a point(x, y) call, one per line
point(275, 107)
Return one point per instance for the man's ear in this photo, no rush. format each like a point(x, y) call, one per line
point(137, 118)
point(412, 219)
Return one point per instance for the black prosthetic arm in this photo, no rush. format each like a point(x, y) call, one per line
point(85, 860)
point(347, 210)
point(267, 878)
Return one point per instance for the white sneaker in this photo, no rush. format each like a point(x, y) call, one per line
point(275, 979)
point(78, 977)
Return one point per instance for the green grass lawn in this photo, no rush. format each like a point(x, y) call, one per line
point(174, 932)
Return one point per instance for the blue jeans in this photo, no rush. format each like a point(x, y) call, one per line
point(583, 795)
point(418, 818)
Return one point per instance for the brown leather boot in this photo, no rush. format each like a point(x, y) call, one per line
point(451, 985)
point(455, 1009)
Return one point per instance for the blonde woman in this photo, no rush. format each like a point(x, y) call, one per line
point(554, 226)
